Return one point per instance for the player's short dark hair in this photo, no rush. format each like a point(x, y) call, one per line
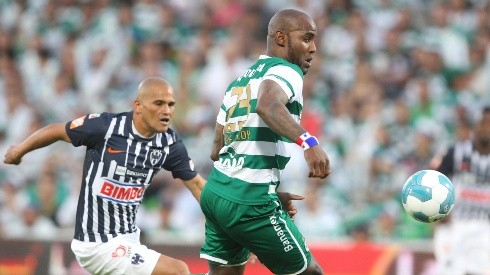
point(486, 110)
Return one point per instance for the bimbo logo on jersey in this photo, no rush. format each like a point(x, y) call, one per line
point(118, 191)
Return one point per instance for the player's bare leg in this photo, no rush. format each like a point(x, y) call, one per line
point(170, 266)
point(313, 269)
point(215, 269)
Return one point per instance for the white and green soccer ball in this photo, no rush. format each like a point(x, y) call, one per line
point(428, 196)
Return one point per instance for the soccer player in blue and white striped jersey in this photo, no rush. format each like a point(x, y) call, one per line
point(461, 244)
point(124, 152)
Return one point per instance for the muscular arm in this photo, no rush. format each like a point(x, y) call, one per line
point(195, 185)
point(218, 141)
point(271, 107)
point(39, 139)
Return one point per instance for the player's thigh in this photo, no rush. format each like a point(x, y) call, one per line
point(274, 238)
point(118, 256)
point(219, 247)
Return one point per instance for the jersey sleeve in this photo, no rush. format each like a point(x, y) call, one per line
point(179, 162)
point(289, 79)
point(221, 118)
point(87, 130)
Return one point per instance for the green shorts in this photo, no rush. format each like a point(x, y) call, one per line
point(233, 230)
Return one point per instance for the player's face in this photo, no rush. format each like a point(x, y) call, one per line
point(157, 110)
point(301, 46)
point(483, 130)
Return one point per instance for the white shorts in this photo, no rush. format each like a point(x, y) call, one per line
point(463, 247)
point(122, 255)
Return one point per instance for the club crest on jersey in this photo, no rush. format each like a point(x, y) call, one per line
point(118, 192)
point(155, 156)
point(137, 259)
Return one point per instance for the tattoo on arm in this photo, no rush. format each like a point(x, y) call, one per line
point(271, 107)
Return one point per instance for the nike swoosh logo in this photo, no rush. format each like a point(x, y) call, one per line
point(114, 151)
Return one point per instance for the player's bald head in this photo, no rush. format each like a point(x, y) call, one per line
point(289, 20)
point(153, 107)
point(152, 85)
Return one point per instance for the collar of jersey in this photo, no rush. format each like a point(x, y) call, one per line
point(136, 133)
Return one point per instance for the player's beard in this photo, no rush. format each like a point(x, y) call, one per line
point(292, 56)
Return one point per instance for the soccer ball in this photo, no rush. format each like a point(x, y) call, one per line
point(428, 196)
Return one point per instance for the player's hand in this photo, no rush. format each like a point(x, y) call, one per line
point(12, 156)
point(287, 202)
point(318, 162)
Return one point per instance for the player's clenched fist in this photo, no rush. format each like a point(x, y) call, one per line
point(318, 162)
point(12, 157)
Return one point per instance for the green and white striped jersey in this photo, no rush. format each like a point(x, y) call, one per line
point(254, 156)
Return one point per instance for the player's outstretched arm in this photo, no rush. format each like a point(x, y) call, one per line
point(195, 185)
point(271, 107)
point(41, 138)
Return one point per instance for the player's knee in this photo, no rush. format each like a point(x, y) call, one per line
point(175, 267)
point(181, 268)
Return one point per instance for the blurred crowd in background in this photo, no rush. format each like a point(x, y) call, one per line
point(393, 82)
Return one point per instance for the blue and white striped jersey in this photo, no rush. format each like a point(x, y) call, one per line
point(469, 171)
point(119, 165)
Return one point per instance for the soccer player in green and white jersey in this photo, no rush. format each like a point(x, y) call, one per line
point(258, 120)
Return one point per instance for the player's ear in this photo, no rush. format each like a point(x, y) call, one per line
point(281, 38)
point(137, 107)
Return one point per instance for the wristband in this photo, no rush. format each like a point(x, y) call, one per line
point(307, 141)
